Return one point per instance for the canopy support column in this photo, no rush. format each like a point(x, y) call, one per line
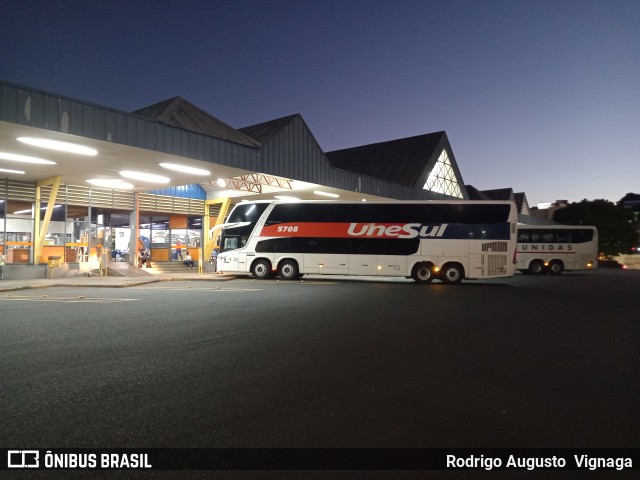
point(40, 230)
point(211, 237)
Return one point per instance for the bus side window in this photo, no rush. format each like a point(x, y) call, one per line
point(523, 236)
point(536, 237)
point(564, 236)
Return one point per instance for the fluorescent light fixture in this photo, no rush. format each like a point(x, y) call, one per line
point(19, 212)
point(113, 183)
point(364, 199)
point(286, 198)
point(58, 145)
point(221, 182)
point(299, 185)
point(144, 177)
point(326, 194)
point(233, 193)
point(12, 157)
point(28, 210)
point(184, 169)
point(8, 170)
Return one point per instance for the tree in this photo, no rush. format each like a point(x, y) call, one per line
point(631, 203)
point(616, 229)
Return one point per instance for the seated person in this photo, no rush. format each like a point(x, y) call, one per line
point(145, 258)
point(188, 261)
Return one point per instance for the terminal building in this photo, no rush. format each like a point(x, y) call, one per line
point(81, 183)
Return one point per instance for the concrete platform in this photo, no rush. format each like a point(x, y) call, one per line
point(112, 281)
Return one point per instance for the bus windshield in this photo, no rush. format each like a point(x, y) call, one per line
point(241, 222)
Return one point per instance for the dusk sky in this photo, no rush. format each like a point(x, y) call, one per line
point(540, 96)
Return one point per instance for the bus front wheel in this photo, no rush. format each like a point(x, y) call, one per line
point(422, 272)
point(261, 269)
point(289, 270)
point(452, 273)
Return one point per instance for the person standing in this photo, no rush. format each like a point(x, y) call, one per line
point(178, 249)
point(3, 260)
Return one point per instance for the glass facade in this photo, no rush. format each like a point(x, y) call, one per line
point(81, 233)
point(442, 178)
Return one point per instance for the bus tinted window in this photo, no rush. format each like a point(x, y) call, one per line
point(582, 235)
point(345, 246)
point(389, 213)
point(556, 235)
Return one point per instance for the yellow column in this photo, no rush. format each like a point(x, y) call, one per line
point(42, 229)
point(209, 238)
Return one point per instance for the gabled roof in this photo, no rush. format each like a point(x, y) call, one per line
point(499, 194)
point(400, 161)
point(263, 131)
point(178, 112)
point(521, 202)
point(475, 194)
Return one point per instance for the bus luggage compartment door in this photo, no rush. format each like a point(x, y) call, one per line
point(392, 265)
point(363, 264)
point(327, 264)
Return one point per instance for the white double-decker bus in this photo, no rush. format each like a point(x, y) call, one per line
point(555, 248)
point(423, 240)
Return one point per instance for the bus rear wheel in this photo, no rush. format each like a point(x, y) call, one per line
point(288, 269)
point(452, 273)
point(536, 267)
point(261, 269)
point(422, 272)
point(556, 267)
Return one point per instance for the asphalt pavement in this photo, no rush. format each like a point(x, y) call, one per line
point(528, 361)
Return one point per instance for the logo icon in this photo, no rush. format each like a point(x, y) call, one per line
point(23, 459)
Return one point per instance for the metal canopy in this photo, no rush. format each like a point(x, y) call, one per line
point(283, 159)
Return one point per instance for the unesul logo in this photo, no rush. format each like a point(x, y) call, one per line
point(408, 230)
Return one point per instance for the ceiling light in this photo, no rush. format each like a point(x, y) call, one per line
point(299, 185)
point(233, 193)
point(12, 157)
point(326, 194)
point(185, 169)
point(8, 170)
point(221, 182)
point(28, 210)
point(60, 146)
point(286, 198)
point(113, 183)
point(144, 177)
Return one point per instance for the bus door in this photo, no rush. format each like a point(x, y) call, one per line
point(235, 260)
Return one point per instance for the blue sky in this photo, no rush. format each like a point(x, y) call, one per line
point(540, 96)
